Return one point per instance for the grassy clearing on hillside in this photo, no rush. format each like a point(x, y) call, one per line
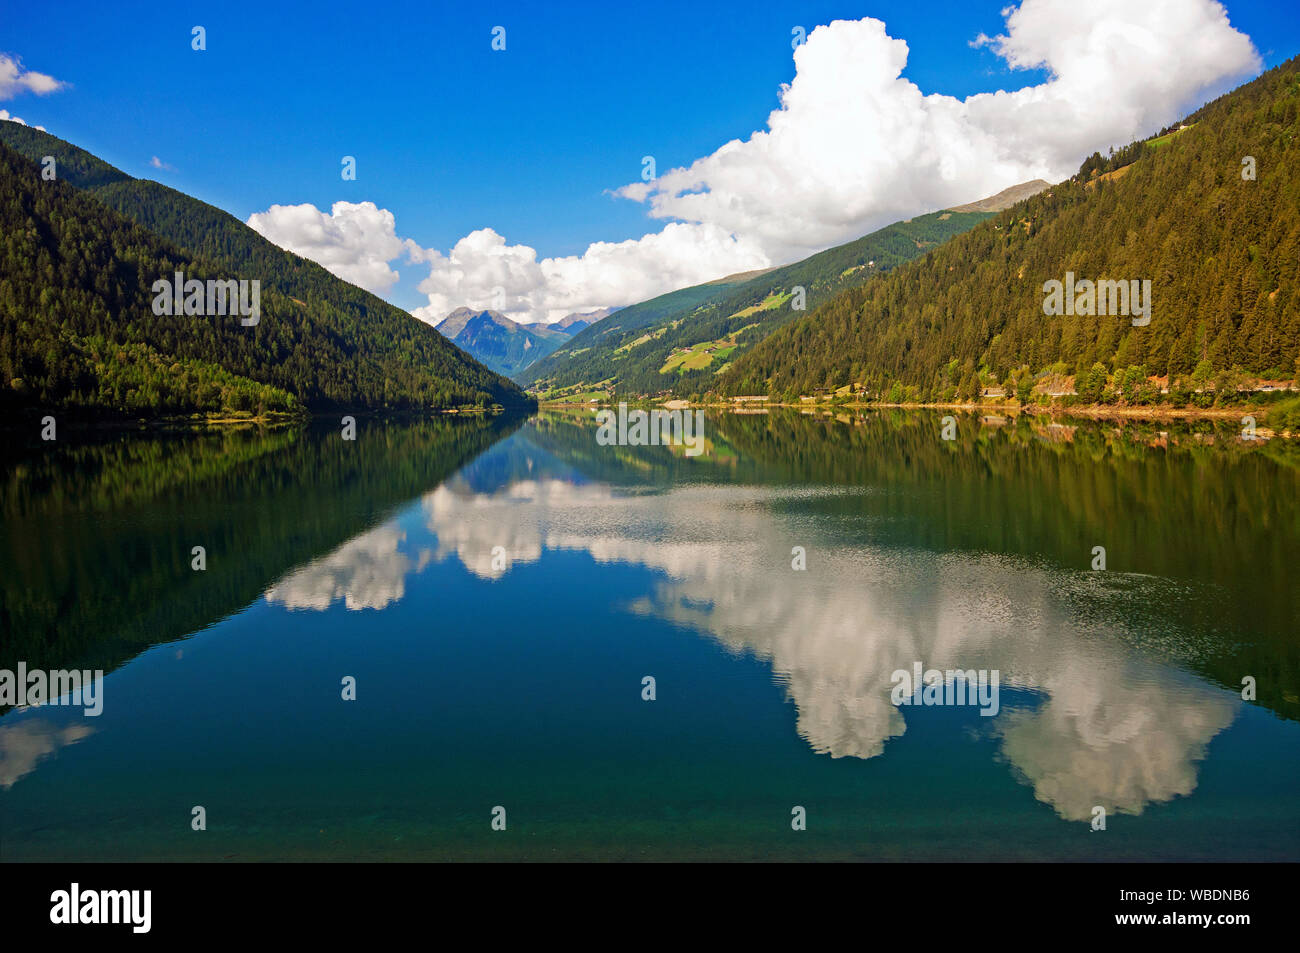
point(1159, 141)
point(643, 339)
point(703, 354)
point(770, 303)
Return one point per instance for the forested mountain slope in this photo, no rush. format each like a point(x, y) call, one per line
point(683, 350)
point(77, 328)
point(1221, 249)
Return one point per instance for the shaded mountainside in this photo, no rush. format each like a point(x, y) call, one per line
point(78, 259)
point(686, 345)
point(1222, 253)
point(503, 345)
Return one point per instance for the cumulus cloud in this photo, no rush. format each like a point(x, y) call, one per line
point(483, 271)
point(15, 80)
point(159, 164)
point(853, 146)
point(355, 241)
point(367, 572)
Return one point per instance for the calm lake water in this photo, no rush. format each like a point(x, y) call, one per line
point(499, 589)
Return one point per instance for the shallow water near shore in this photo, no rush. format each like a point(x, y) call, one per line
point(500, 589)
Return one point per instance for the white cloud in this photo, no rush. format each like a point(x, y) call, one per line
point(367, 572)
point(607, 273)
point(1110, 727)
point(853, 146)
point(159, 164)
point(14, 79)
point(7, 117)
point(25, 744)
point(356, 241)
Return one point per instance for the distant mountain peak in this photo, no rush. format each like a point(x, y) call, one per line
point(1004, 199)
point(741, 276)
point(456, 321)
point(501, 343)
point(578, 320)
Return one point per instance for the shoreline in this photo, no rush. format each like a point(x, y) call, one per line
point(265, 421)
point(1100, 412)
point(1090, 411)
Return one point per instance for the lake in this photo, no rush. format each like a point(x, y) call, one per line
point(498, 594)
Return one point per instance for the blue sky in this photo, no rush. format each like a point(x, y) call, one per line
point(449, 135)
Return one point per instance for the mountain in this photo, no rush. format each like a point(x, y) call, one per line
point(629, 319)
point(680, 342)
point(1208, 212)
point(573, 323)
point(455, 321)
point(503, 345)
point(1006, 198)
point(79, 256)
